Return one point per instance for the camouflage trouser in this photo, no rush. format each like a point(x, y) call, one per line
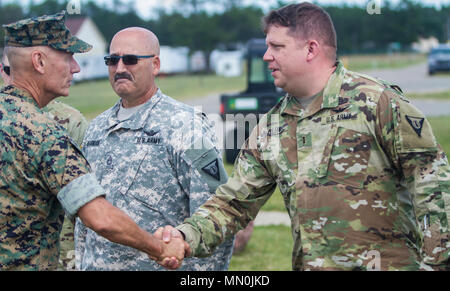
point(67, 252)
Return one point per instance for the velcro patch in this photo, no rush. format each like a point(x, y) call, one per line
point(212, 169)
point(416, 123)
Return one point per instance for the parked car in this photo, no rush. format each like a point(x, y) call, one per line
point(439, 59)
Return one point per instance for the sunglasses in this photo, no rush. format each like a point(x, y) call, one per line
point(6, 69)
point(127, 59)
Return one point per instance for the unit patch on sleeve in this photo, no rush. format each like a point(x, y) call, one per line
point(212, 169)
point(416, 123)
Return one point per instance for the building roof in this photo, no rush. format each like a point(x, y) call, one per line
point(74, 24)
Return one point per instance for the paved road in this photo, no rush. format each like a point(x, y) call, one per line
point(413, 78)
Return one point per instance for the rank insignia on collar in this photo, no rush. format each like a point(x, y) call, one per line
point(416, 123)
point(277, 130)
point(212, 169)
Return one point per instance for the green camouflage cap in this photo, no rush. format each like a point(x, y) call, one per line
point(46, 30)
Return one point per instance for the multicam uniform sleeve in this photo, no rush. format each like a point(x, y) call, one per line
point(407, 138)
point(78, 128)
point(234, 205)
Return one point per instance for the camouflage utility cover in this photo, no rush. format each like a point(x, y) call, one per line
point(158, 166)
point(38, 162)
point(361, 174)
point(47, 30)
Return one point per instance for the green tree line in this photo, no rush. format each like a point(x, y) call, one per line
point(193, 25)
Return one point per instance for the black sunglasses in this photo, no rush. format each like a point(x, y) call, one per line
point(127, 59)
point(6, 69)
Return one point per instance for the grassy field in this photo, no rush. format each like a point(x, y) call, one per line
point(269, 249)
point(441, 129)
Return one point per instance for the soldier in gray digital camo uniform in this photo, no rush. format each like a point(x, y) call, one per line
point(42, 170)
point(157, 158)
point(365, 183)
point(74, 122)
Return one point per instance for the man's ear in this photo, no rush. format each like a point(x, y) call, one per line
point(313, 50)
point(38, 60)
point(156, 63)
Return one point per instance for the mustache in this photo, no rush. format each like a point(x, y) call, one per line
point(122, 76)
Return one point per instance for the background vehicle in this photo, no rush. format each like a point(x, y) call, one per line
point(439, 59)
point(261, 95)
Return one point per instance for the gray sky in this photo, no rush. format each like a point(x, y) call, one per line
point(145, 7)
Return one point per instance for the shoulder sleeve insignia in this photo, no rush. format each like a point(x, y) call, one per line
point(416, 123)
point(212, 169)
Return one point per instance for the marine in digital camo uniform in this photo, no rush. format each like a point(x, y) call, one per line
point(30, 223)
point(41, 165)
point(158, 165)
point(363, 178)
point(75, 124)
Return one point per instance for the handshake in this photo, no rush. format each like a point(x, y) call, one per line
point(173, 248)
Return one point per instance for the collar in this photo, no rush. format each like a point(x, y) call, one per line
point(22, 94)
point(328, 99)
point(137, 120)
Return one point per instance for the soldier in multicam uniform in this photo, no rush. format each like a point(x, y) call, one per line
point(157, 158)
point(43, 171)
point(74, 122)
point(364, 181)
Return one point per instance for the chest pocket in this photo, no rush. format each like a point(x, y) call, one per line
point(346, 157)
point(147, 176)
point(131, 169)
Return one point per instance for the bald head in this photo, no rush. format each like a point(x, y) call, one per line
point(142, 40)
point(134, 82)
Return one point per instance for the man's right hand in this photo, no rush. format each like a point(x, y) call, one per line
point(171, 235)
point(172, 254)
